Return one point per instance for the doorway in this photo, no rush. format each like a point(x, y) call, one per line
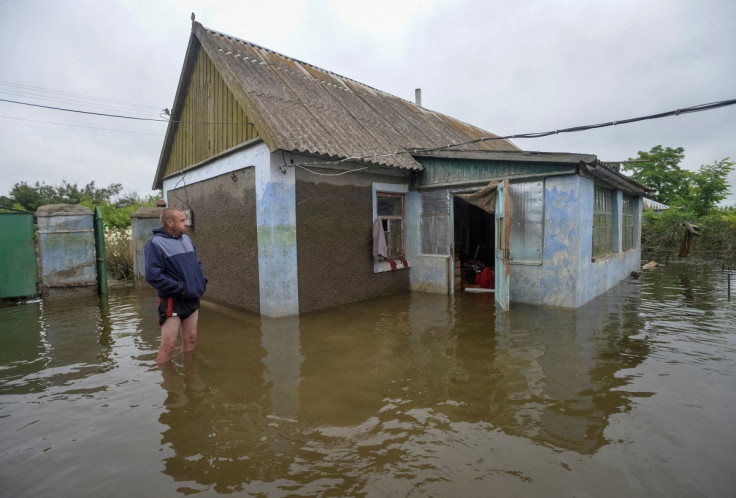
point(474, 242)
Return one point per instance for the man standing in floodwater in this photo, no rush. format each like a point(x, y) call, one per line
point(173, 269)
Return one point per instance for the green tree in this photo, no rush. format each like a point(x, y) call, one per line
point(660, 169)
point(696, 192)
point(30, 197)
point(115, 206)
point(709, 186)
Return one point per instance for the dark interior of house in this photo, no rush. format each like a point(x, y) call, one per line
point(474, 240)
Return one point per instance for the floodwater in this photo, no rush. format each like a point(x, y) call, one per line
point(408, 395)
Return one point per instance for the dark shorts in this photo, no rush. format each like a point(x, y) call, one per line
point(171, 306)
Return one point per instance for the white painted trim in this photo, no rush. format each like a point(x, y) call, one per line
point(258, 153)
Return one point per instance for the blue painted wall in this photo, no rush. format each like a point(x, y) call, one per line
point(568, 276)
point(277, 252)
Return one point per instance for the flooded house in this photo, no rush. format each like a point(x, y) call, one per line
point(306, 189)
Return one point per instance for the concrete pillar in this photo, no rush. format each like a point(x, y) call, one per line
point(142, 223)
point(276, 218)
point(66, 246)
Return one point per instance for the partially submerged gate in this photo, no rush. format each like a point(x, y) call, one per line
point(18, 271)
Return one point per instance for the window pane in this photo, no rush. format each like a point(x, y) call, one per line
point(602, 222)
point(388, 205)
point(527, 231)
point(394, 238)
point(627, 223)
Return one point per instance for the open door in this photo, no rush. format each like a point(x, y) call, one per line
point(503, 255)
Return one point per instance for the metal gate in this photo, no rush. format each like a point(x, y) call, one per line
point(18, 271)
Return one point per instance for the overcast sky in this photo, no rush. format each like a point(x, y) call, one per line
point(505, 66)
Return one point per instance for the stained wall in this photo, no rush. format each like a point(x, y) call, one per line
point(334, 240)
point(224, 232)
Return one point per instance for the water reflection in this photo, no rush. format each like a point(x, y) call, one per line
point(406, 394)
point(327, 396)
point(563, 368)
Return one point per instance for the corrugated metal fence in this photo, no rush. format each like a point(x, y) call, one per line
point(18, 270)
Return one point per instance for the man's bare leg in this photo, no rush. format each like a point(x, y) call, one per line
point(189, 332)
point(169, 333)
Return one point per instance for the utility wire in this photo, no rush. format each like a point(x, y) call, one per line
point(82, 112)
point(574, 129)
point(77, 126)
point(58, 95)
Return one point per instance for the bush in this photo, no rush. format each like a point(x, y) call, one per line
point(119, 254)
point(662, 235)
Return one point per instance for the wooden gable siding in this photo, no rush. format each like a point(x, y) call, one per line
point(211, 120)
point(444, 172)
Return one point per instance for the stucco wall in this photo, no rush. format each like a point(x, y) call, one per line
point(224, 233)
point(334, 241)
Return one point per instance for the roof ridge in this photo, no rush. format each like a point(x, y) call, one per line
point(327, 71)
point(241, 40)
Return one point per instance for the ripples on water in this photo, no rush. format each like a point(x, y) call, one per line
point(408, 395)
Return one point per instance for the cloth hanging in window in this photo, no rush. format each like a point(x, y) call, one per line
point(379, 240)
point(484, 198)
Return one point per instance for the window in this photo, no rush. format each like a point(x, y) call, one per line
point(390, 210)
point(602, 222)
point(627, 223)
point(527, 222)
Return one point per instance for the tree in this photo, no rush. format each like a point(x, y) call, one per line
point(115, 206)
point(29, 197)
point(696, 192)
point(660, 169)
point(709, 186)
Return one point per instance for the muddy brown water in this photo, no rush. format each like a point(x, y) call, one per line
point(633, 394)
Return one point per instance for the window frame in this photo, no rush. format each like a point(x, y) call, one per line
point(386, 222)
point(380, 264)
point(628, 224)
point(602, 243)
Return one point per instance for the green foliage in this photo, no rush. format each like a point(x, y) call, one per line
point(115, 206)
point(662, 172)
point(695, 193)
point(118, 254)
point(663, 233)
point(30, 197)
point(709, 186)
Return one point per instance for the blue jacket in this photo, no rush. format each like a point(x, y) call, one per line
point(172, 267)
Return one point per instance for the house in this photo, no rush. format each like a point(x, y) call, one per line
point(287, 171)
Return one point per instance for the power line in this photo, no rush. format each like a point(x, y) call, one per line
point(574, 129)
point(78, 126)
point(83, 112)
point(87, 100)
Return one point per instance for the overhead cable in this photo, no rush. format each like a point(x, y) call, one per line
point(414, 151)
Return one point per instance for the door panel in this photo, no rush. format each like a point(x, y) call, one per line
point(503, 229)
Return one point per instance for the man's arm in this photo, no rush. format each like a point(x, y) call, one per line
point(155, 275)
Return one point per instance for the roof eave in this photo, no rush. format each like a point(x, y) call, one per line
point(181, 90)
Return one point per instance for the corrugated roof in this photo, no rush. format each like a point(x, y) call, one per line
point(303, 108)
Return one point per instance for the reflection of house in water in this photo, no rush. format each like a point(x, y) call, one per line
point(566, 369)
point(287, 171)
point(356, 388)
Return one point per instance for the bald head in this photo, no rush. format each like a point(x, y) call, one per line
point(174, 221)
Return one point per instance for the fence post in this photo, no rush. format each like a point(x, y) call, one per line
point(100, 250)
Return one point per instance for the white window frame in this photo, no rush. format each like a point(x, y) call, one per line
point(396, 189)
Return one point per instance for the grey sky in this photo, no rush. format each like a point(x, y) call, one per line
point(507, 67)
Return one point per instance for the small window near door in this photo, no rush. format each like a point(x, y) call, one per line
point(390, 210)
